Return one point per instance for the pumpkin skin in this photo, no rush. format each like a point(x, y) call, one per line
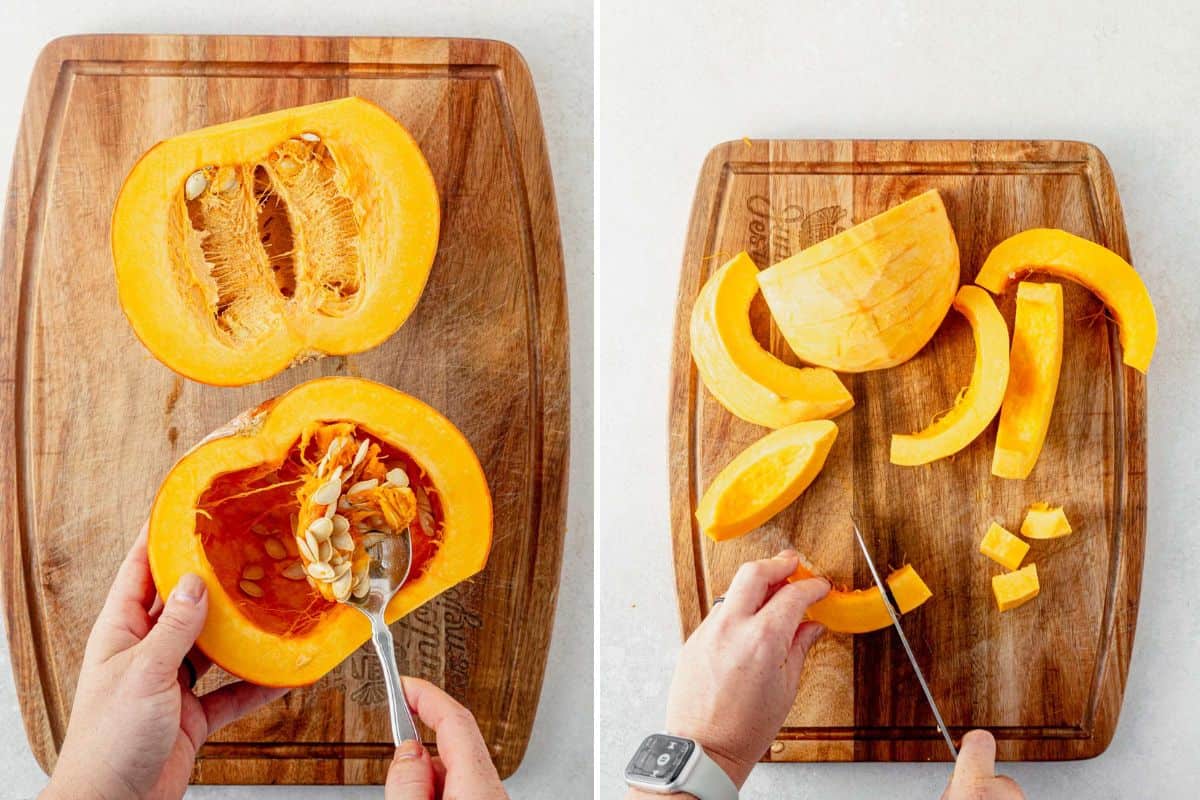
point(764, 479)
point(1106, 274)
point(976, 408)
point(750, 382)
point(293, 249)
point(871, 296)
point(1014, 589)
point(862, 610)
point(1043, 522)
point(265, 436)
point(1034, 366)
point(1002, 547)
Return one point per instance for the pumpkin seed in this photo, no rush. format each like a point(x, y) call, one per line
point(321, 528)
point(275, 548)
point(363, 486)
point(230, 182)
point(325, 552)
point(328, 493)
point(336, 560)
point(340, 523)
point(337, 474)
point(294, 571)
point(343, 541)
point(330, 510)
point(310, 137)
point(341, 586)
point(314, 545)
point(397, 477)
point(361, 586)
point(341, 569)
point(251, 588)
point(320, 571)
point(253, 572)
point(196, 183)
point(373, 538)
point(306, 551)
point(260, 530)
point(361, 455)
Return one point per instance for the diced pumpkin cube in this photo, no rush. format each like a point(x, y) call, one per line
point(1002, 547)
point(1016, 588)
point(1044, 522)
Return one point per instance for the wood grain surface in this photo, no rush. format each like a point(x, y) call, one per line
point(1047, 679)
point(92, 421)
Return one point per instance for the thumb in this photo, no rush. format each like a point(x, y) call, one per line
point(175, 632)
point(410, 777)
point(976, 760)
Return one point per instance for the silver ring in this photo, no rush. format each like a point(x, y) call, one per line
point(718, 600)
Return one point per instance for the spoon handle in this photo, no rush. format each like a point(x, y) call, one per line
point(403, 728)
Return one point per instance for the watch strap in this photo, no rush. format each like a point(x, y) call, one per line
point(707, 780)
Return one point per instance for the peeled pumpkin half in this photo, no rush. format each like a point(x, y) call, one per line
point(871, 296)
point(243, 248)
point(862, 610)
point(277, 510)
point(1106, 274)
point(978, 404)
point(745, 378)
point(764, 479)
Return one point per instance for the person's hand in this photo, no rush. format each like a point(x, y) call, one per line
point(738, 673)
point(463, 768)
point(975, 775)
point(135, 723)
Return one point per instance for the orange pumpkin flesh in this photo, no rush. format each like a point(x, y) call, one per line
point(243, 248)
point(862, 610)
point(220, 505)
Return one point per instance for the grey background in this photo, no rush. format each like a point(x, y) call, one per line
point(556, 40)
point(673, 80)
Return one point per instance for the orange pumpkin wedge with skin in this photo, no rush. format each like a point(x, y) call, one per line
point(1034, 365)
point(979, 404)
point(245, 247)
point(764, 479)
point(1106, 274)
point(871, 296)
point(862, 610)
point(750, 382)
point(222, 503)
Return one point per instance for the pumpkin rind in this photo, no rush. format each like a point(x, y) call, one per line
point(764, 479)
point(1003, 547)
point(871, 296)
point(1043, 522)
point(745, 378)
point(1014, 589)
point(972, 413)
point(1106, 274)
point(862, 610)
point(265, 435)
point(1034, 366)
point(391, 190)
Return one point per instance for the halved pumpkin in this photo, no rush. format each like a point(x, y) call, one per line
point(978, 405)
point(745, 378)
point(1034, 365)
point(764, 479)
point(871, 296)
point(862, 610)
point(1014, 589)
point(1043, 522)
point(243, 248)
point(1106, 274)
point(231, 511)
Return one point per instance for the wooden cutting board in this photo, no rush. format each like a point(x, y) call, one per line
point(92, 422)
point(1047, 679)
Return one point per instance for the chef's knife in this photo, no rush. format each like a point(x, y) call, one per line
point(887, 603)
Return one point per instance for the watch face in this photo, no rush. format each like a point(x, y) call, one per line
point(660, 759)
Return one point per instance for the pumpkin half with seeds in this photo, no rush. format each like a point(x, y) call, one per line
point(276, 512)
point(243, 248)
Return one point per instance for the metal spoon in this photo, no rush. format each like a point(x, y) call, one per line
point(391, 560)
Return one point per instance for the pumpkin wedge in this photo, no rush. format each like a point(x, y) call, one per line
point(862, 610)
point(979, 404)
point(871, 296)
point(1034, 365)
point(750, 382)
point(238, 511)
point(243, 248)
point(1043, 522)
point(764, 479)
point(1106, 274)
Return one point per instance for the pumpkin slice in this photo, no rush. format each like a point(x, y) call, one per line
point(1013, 589)
point(764, 479)
point(1034, 365)
point(1043, 522)
point(746, 379)
point(1106, 274)
point(871, 296)
point(862, 610)
point(238, 510)
point(1002, 547)
point(979, 404)
point(246, 247)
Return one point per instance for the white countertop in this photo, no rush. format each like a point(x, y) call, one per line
point(556, 40)
point(673, 81)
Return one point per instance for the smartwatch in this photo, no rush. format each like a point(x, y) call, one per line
point(664, 764)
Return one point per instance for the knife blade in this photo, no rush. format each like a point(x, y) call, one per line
point(912, 659)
